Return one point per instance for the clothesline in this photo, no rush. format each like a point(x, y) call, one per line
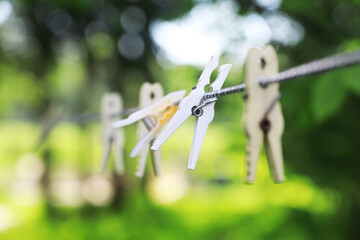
point(306, 69)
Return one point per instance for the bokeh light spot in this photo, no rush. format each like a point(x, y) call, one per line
point(30, 167)
point(65, 189)
point(59, 22)
point(133, 19)
point(101, 45)
point(97, 190)
point(131, 46)
point(168, 189)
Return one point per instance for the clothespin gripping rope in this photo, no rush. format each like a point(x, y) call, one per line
point(307, 69)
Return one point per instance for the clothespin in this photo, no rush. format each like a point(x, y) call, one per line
point(262, 118)
point(204, 110)
point(149, 94)
point(154, 116)
point(206, 116)
point(111, 108)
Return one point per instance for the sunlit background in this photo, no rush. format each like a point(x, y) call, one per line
point(57, 59)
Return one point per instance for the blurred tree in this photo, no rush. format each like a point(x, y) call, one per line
point(68, 53)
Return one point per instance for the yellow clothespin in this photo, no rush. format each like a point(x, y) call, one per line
point(149, 94)
point(154, 116)
point(111, 108)
point(262, 118)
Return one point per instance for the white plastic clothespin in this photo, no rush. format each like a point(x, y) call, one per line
point(111, 108)
point(194, 100)
point(262, 118)
point(157, 114)
point(149, 94)
point(202, 122)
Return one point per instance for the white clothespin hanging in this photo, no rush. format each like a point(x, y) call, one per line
point(202, 122)
point(262, 118)
point(186, 106)
point(149, 94)
point(156, 114)
point(111, 108)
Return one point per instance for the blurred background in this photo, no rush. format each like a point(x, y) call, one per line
point(57, 59)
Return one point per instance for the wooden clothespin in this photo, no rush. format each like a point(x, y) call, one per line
point(111, 108)
point(149, 94)
point(262, 118)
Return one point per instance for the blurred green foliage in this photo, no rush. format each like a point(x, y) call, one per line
point(50, 186)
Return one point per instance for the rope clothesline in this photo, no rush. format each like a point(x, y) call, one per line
point(306, 69)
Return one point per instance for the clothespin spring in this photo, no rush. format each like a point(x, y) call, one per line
point(197, 111)
point(148, 123)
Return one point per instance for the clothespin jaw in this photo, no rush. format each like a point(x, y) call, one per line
point(149, 94)
point(111, 108)
point(262, 118)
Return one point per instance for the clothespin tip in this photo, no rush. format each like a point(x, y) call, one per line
point(191, 166)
